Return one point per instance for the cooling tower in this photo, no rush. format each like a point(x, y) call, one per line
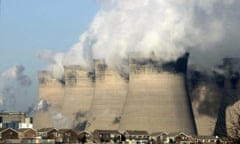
point(232, 92)
point(78, 95)
point(51, 91)
point(109, 97)
point(158, 98)
point(206, 92)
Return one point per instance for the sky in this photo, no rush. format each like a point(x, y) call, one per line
point(28, 27)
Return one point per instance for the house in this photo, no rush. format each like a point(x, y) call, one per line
point(48, 133)
point(158, 138)
point(183, 138)
point(8, 133)
point(84, 136)
point(106, 136)
point(136, 136)
point(207, 139)
point(179, 138)
point(67, 136)
point(27, 133)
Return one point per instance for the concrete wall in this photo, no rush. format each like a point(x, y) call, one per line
point(109, 96)
point(78, 95)
point(157, 100)
point(52, 91)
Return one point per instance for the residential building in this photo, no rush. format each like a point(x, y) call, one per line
point(8, 133)
point(27, 133)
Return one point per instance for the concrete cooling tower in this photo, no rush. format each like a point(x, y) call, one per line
point(78, 95)
point(232, 92)
point(50, 99)
point(109, 96)
point(157, 99)
point(206, 91)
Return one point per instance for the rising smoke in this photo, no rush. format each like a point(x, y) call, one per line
point(208, 29)
point(42, 105)
point(167, 28)
point(206, 90)
point(10, 81)
point(59, 120)
point(80, 120)
point(54, 62)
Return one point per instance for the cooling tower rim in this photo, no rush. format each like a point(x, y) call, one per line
point(153, 59)
point(44, 73)
point(73, 67)
point(231, 61)
point(101, 61)
point(177, 66)
point(232, 58)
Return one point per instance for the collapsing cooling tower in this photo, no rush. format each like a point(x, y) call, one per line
point(158, 98)
point(231, 95)
point(78, 95)
point(206, 91)
point(109, 97)
point(50, 100)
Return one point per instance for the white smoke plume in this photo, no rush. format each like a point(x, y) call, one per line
point(11, 82)
point(58, 119)
point(53, 61)
point(42, 106)
point(167, 28)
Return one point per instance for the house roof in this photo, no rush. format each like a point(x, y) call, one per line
point(82, 132)
point(46, 129)
point(2, 129)
point(136, 132)
point(5, 129)
point(66, 130)
point(25, 129)
point(175, 134)
point(107, 131)
point(182, 133)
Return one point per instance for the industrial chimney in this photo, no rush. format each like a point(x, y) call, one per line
point(158, 99)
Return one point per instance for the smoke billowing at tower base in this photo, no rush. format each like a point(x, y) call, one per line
point(132, 55)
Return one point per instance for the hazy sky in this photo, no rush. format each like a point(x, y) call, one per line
point(30, 26)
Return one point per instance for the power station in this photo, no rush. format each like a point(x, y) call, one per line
point(109, 97)
point(51, 95)
point(157, 98)
point(153, 97)
point(79, 89)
